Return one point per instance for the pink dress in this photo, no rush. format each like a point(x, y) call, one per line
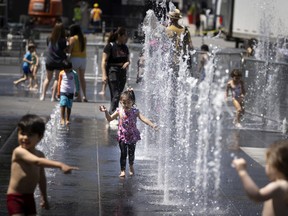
point(127, 128)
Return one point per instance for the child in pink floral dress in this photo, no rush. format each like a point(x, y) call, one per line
point(128, 134)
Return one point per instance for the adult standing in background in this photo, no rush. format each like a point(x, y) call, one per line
point(56, 54)
point(115, 62)
point(77, 50)
point(180, 38)
point(95, 17)
point(77, 16)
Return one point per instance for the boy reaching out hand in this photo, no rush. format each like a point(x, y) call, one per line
point(275, 194)
point(27, 168)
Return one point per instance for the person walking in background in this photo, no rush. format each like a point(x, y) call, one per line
point(27, 168)
point(95, 17)
point(26, 67)
point(274, 195)
point(140, 66)
point(56, 54)
point(236, 86)
point(204, 57)
point(128, 134)
point(77, 14)
point(115, 62)
point(34, 70)
point(68, 83)
point(180, 38)
point(77, 50)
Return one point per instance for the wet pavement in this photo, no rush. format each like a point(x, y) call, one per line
point(91, 145)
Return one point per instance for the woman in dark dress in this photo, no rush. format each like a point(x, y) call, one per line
point(56, 54)
point(115, 62)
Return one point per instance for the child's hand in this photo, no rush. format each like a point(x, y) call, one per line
point(67, 169)
point(102, 108)
point(239, 164)
point(155, 127)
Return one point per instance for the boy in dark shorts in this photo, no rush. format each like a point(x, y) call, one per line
point(27, 168)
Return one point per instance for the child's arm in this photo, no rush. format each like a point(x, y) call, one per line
point(227, 90)
point(269, 191)
point(43, 189)
point(25, 155)
point(26, 60)
point(147, 121)
point(37, 59)
point(107, 115)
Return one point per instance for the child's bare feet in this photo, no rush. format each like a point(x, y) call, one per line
point(101, 93)
point(62, 122)
point(122, 174)
point(67, 122)
point(131, 170)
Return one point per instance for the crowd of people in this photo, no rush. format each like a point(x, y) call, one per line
point(65, 64)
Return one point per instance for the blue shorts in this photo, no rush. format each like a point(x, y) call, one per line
point(65, 101)
point(26, 70)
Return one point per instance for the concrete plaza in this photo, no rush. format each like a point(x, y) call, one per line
point(91, 144)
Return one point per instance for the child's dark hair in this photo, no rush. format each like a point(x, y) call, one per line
point(235, 73)
point(129, 94)
point(66, 64)
point(32, 124)
point(205, 47)
point(277, 156)
point(31, 46)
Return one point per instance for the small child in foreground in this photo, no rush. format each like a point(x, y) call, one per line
point(128, 134)
point(275, 194)
point(27, 168)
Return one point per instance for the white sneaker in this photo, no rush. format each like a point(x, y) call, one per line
point(122, 174)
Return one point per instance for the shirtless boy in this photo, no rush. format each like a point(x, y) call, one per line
point(27, 168)
point(275, 194)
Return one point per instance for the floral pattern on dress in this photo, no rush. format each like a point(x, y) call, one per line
point(127, 128)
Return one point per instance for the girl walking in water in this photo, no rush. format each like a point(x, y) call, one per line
point(128, 134)
point(236, 86)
